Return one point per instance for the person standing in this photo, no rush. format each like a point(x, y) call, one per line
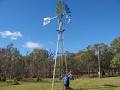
point(66, 81)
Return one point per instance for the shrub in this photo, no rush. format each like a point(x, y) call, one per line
point(13, 82)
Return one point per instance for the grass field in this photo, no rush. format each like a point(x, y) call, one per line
point(112, 83)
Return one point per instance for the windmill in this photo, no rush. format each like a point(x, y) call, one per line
point(63, 18)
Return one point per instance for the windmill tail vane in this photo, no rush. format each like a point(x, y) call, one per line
point(47, 20)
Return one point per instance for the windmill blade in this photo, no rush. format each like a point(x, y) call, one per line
point(67, 9)
point(67, 12)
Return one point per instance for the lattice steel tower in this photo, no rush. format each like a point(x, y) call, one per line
point(63, 18)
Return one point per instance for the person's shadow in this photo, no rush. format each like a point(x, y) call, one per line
point(75, 89)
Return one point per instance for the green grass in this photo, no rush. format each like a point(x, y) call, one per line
point(112, 83)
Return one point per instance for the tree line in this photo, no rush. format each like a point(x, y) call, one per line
point(39, 63)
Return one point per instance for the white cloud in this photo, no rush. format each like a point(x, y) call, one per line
point(11, 35)
point(32, 45)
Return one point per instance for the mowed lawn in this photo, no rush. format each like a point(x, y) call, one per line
point(111, 83)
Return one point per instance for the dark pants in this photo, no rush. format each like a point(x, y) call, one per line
point(66, 87)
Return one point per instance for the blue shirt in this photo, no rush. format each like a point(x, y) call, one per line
point(66, 80)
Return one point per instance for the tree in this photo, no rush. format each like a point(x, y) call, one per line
point(40, 62)
point(9, 56)
point(115, 63)
point(116, 45)
point(40, 54)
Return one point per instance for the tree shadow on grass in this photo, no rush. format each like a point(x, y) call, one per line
point(109, 85)
point(105, 86)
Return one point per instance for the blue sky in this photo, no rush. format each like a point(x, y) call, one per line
point(93, 21)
